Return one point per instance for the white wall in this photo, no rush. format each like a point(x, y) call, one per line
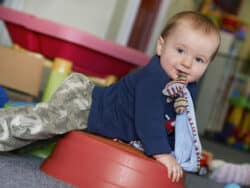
point(107, 19)
point(123, 21)
point(5, 39)
point(92, 16)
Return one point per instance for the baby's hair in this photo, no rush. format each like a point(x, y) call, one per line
point(197, 21)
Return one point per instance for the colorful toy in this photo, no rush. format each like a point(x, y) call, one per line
point(85, 160)
point(225, 172)
point(60, 70)
point(236, 131)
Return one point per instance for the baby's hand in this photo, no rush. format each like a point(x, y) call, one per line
point(174, 170)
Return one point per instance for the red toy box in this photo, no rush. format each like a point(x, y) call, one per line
point(88, 161)
point(89, 54)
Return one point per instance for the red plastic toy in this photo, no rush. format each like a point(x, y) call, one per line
point(89, 161)
point(90, 55)
point(206, 158)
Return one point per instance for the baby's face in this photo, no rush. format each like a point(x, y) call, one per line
point(186, 51)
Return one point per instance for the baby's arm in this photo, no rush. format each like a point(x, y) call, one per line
point(174, 170)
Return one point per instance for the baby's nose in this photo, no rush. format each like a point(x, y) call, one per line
point(187, 62)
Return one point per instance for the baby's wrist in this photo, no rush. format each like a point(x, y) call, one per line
point(160, 156)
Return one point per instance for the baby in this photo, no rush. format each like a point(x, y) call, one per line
point(132, 109)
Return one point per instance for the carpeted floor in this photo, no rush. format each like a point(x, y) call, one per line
point(22, 171)
point(225, 152)
point(195, 181)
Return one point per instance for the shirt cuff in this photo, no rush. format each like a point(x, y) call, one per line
point(156, 146)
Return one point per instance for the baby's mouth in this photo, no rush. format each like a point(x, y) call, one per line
point(182, 76)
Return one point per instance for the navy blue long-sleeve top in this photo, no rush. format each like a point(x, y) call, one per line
point(135, 109)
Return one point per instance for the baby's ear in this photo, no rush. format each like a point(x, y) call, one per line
point(159, 46)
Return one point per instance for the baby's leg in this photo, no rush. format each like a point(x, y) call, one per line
point(67, 110)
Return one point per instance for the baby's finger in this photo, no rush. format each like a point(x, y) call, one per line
point(181, 173)
point(178, 176)
point(169, 173)
point(174, 174)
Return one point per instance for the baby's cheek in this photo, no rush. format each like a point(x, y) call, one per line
point(198, 73)
point(193, 77)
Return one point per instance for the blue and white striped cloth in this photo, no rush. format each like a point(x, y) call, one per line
point(187, 143)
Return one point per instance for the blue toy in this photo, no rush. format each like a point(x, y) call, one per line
point(3, 97)
point(18, 103)
point(232, 185)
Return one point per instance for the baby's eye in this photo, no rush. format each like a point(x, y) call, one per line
point(199, 60)
point(180, 50)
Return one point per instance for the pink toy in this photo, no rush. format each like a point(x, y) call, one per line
point(85, 160)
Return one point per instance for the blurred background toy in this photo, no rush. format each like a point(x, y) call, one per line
point(206, 158)
point(225, 172)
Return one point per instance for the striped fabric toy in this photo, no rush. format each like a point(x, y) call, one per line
point(224, 172)
point(187, 143)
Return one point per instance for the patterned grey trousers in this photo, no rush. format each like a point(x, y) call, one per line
point(67, 110)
